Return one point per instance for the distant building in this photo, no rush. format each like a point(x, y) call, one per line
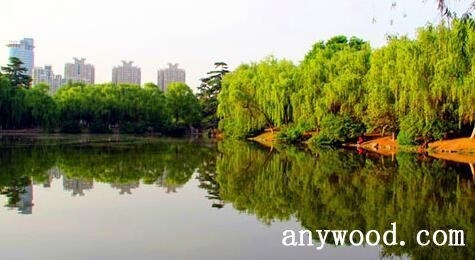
point(23, 50)
point(126, 74)
point(170, 75)
point(79, 71)
point(46, 75)
point(57, 83)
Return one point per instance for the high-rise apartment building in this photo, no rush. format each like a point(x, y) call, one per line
point(23, 50)
point(126, 74)
point(46, 75)
point(170, 75)
point(79, 71)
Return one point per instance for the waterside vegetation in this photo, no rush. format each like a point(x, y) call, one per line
point(421, 89)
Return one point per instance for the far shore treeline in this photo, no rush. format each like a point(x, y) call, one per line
point(418, 89)
point(421, 88)
point(100, 108)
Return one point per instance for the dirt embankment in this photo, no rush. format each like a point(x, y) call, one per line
point(460, 150)
point(460, 145)
point(383, 145)
point(267, 138)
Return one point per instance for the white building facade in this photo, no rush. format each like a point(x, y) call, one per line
point(46, 75)
point(126, 74)
point(170, 75)
point(79, 71)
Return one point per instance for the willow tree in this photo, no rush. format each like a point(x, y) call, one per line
point(465, 91)
point(331, 82)
point(423, 87)
point(255, 96)
point(389, 73)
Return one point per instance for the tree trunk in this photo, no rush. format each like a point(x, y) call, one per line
point(472, 167)
point(473, 133)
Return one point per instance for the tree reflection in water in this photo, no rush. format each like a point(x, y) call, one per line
point(322, 189)
point(339, 189)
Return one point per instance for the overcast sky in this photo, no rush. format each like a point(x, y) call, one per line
point(197, 33)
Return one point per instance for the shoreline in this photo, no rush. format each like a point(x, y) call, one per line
point(460, 150)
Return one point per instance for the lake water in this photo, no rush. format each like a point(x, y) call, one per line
point(105, 197)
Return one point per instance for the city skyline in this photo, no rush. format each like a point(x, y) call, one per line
point(79, 71)
point(200, 39)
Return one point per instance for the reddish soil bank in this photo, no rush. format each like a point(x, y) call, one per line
point(267, 138)
point(460, 150)
point(460, 145)
point(383, 145)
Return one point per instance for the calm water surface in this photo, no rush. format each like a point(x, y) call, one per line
point(141, 198)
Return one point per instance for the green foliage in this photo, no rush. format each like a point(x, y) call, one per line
point(331, 80)
point(16, 73)
point(256, 96)
point(208, 93)
point(25, 108)
point(183, 105)
point(42, 107)
point(293, 133)
point(422, 88)
point(77, 107)
point(337, 129)
point(103, 107)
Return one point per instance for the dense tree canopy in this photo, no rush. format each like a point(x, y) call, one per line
point(421, 87)
point(257, 96)
point(102, 108)
point(16, 73)
point(183, 105)
point(424, 87)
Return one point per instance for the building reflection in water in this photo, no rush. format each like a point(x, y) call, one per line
point(53, 173)
point(25, 203)
point(166, 184)
point(77, 186)
point(125, 188)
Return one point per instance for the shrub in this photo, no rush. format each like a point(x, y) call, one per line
point(337, 129)
point(293, 133)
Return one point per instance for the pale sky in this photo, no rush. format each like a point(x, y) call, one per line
point(197, 33)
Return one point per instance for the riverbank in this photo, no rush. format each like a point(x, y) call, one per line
point(460, 150)
point(268, 138)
